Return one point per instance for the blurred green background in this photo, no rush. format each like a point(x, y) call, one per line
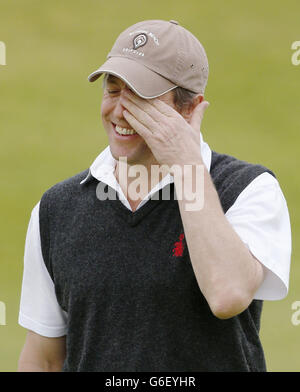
point(50, 117)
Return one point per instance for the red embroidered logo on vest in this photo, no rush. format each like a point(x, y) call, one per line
point(178, 247)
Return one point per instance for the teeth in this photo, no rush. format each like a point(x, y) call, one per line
point(125, 131)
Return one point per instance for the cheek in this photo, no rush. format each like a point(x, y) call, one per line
point(106, 108)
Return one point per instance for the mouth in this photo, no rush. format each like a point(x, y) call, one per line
point(124, 133)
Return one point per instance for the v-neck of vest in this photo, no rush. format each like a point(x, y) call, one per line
point(134, 217)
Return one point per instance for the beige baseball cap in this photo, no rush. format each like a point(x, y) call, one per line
point(155, 56)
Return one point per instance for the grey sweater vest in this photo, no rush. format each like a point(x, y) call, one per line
point(127, 283)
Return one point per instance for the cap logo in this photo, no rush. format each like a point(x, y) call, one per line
point(139, 40)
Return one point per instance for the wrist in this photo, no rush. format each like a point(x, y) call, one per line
point(187, 168)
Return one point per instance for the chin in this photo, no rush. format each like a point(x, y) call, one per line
point(138, 155)
point(117, 153)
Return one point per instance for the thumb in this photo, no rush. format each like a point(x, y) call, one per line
point(198, 115)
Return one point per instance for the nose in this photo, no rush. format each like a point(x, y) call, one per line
point(119, 108)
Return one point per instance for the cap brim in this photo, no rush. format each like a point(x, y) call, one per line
point(144, 82)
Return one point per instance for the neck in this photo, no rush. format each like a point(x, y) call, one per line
point(137, 180)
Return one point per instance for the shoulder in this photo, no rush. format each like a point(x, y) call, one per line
point(69, 184)
point(66, 187)
point(223, 165)
point(59, 196)
point(232, 175)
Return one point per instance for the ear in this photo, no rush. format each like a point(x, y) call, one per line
point(188, 112)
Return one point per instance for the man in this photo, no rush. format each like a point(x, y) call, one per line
point(123, 280)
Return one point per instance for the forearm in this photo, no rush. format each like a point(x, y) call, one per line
point(42, 354)
point(225, 270)
point(31, 366)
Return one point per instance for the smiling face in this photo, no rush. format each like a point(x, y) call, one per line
point(123, 140)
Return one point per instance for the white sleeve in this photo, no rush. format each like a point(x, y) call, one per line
point(39, 309)
point(260, 217)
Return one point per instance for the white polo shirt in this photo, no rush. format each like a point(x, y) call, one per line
point(259, 216)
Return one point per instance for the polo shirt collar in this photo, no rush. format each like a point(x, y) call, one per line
point(104, 165)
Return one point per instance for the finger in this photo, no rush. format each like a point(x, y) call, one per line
point(145, 105)
point(140, 114)
point(137, 126)
point(155, 107)
point(164, 108)
point(198, 115)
